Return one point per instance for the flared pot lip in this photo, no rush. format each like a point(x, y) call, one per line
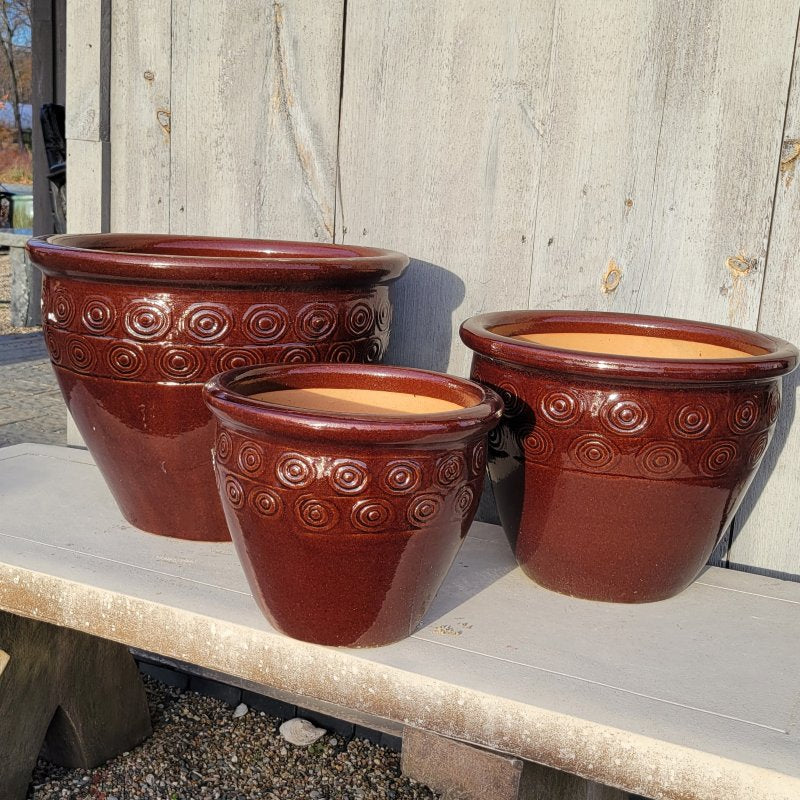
point(228, 397)
point(211, 260)
point(771, 356)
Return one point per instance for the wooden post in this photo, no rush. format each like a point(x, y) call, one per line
point(76, 699)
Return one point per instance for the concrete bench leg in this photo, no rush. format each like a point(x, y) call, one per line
point(462, 772)
point(75, 699)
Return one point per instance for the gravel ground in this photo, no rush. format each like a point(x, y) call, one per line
point(199, 750)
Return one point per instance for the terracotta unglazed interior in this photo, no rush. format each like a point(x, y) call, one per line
point(136, 323)
point(627, 442)
point(357, 401)
point(346, 516)
point(628, 344)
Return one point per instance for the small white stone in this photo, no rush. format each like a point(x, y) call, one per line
point(240, 710)
point(301, 732)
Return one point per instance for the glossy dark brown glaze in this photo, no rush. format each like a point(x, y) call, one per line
point(615, 476)
point(347, 524)
point(135, 325)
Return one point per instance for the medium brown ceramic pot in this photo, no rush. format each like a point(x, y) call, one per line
point(136, 324)
point(347, 504)
point(627, 442)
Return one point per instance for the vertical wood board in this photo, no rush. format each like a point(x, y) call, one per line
point(440, 143)
point(141, 60)
point(767, 526)
point(255, 109)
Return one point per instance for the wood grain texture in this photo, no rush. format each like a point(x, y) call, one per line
point(139, 117)
point(441, 136)
point(88, 187)
point(767, 526)
point(88, 41)
point(255, 108)
point(660, 156)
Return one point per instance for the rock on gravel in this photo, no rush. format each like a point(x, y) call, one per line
point(301, 732)
point(199, 751)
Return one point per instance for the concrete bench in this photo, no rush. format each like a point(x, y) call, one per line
point(695, 698)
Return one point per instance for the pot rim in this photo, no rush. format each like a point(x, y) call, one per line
point(211, 260)
point(224, 396)
point(779, 357)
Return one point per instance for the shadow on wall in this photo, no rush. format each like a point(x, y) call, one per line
point(791, 384)
point(424, 300)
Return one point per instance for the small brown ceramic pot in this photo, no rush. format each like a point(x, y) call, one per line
point(346, 519)
point(136, 324)
point(627, 442)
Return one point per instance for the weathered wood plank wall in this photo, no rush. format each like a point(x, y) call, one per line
point(515, 156)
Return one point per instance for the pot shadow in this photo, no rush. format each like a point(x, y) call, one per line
point(791, 385)
point(423, 300)
point(484, 558)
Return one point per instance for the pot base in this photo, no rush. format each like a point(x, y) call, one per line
point(176, 440)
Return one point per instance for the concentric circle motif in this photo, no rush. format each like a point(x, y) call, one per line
point(146, 320)
point(53, 346)
point(179, 363)
point(342, 353)
point(372, 514)
point(317, 514)
point(250, 458)
point(294, 470)
point(593, 452)
point(349, 477)
point(424, 509)
point(626, 417)
point(374, 351)
point(265, 322)
point(536, 444)
point(773, 406)
point(235, 357)
point(757, 449)
point(495, 438)
point(718, 458)
point(560, 408)
point(234, 492)
point(478, 458)
point(659, 459)
point(316, 321)
point(125, 360)
point(450, 469)
point(384, 315)
point(298, 355)
point(81, 354)
point(265, 502)
point(692, 421)
point(207, 322)
point(744, 417)
point(513, 404)
point(224, 446)
point(360, 319)
point(400, 477)
point(98, 314)
point(463, 501)
point(62, 308)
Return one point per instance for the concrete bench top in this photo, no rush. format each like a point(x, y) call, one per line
point(694, 697)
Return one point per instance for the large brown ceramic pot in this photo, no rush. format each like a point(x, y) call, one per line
point(627, 442)
point(136, 324)
point(347, 504)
